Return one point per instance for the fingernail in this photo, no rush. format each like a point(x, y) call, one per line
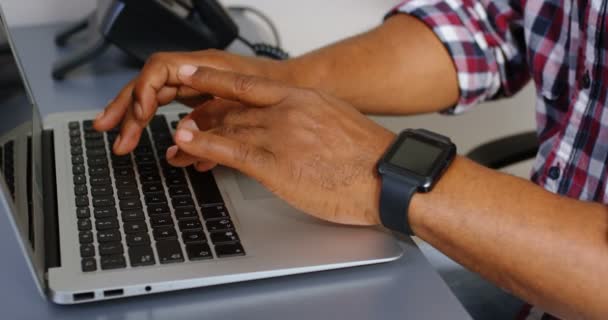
point(184, 135)
point(117, 142)
point(139, 111)
point(171, 152)
point(190, 124)
point(100, 115)
point(187, 70)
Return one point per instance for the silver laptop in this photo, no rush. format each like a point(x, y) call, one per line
point(96, 226)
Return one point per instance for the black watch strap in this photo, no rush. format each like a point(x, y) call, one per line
point(394, 203)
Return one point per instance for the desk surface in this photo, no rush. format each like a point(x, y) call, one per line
point(406, 288)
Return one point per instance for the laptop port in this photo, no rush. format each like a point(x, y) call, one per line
point(83, 296)
point(113, 293)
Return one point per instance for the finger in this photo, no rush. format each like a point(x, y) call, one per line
point(112, 115)
point(251, 90)
point(130, 132)
point(211, 113)
point(178, 158)
point(203, 166)
point(243, 156)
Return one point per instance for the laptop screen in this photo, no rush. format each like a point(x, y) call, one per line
point(20, 136)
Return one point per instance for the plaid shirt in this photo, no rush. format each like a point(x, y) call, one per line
point(498, 45)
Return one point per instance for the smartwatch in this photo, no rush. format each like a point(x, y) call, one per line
point(413, 163)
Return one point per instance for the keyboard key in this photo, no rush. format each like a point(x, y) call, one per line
point(215, 212)
point(84, 224)
point(97, 162)
point(128, 193)
point(103, 201)
point(78, 169)
point(169, 251)
point(89, 264)
point(75, 141)
point(224, 236)
point(80, 190)
point(147, 167)
point(149, 177)
point(96, 152)
point(218, 225)
point(205, 188)
point(145, 158)
point(129, 204)
point(93, 144)
point(229, 250)
point(123, 172)
point(82, 201)
point(190, 224)
point(113, 262)
point(176, 181)
point(106, 224)
point(177, 191)
point(102, 190)
point(83, 212)
point(125, 182)
point(80, 179)
point(161, 220)
point(87, 250)
point(98, 171)
point(191, 236)
point(73, 125)
point(93, 135)
point(85, 237)
point(111, 235)
point(138, 239)
point(133, 215)
point(104, 212)
point(185, 213)
point(100, 181)
point(155, 198)
point(74, 133)
point(77, 160)
point(121, 161)
point(87, 125)
point(164, 233)
point(198, 251)
point(110, 248)
point(156, 209)
point(182, 202)
point(141, 256)
point(143, 149)
point(76, 151)
point(135, 226)
point(153, 187)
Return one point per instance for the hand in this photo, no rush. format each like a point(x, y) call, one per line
point(157, 85)
point(314, 151)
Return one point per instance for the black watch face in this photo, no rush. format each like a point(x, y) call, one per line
point(416, 156)
point(420, 158)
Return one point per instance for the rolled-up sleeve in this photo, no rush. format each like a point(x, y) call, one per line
point(485, 40)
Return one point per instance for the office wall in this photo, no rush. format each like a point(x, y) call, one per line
point(309, 24)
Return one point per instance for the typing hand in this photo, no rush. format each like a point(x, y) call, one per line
point(314, 151)
point(157, 85)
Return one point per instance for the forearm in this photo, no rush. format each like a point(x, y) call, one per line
point(400, 67)
point(547, 249)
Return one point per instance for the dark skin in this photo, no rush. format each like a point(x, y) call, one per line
point(547, 249)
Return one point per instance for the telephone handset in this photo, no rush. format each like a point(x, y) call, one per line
point(141, 28)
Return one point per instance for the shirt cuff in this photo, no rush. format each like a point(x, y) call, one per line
point(477, 72)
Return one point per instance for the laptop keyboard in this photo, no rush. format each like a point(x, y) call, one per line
point(137, 210)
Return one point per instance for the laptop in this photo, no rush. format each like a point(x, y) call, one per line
point(95, 226)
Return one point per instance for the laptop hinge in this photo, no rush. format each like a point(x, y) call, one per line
point(49, 181)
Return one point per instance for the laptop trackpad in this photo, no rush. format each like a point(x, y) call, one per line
point(251, 189)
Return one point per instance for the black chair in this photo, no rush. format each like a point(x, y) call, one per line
point(506, 151)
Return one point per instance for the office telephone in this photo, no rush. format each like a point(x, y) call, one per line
point(141, 28)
